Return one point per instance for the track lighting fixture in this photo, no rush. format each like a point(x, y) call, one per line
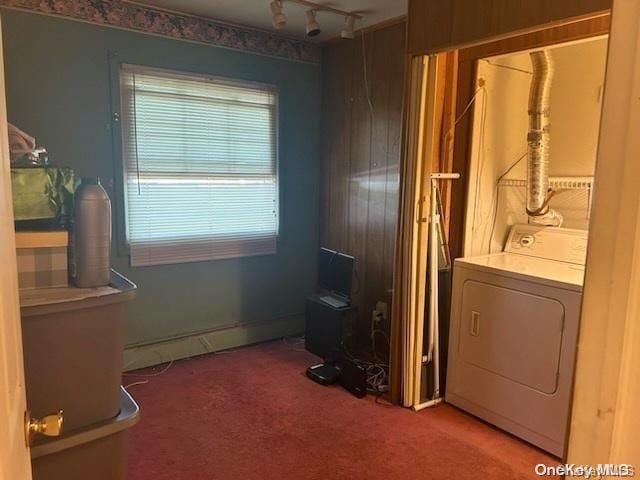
point(279, 19)
point(313, 28)
point(347, 30)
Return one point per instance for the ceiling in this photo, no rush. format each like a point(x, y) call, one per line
point(256, 13)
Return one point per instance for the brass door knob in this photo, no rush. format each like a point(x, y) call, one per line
point(50, 426)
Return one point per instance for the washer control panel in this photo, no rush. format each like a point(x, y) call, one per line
point(551, 243)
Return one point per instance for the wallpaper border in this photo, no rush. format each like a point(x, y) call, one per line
point(142, 18)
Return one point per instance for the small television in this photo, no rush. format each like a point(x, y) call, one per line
point(335, 270)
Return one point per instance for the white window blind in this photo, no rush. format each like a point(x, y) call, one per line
point(200, 166)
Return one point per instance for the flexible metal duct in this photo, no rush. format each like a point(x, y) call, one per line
point(538, 142)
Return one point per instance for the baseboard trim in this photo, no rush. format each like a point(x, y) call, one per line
point(210, 341)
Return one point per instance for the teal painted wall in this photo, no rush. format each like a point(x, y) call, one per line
point(58, 89)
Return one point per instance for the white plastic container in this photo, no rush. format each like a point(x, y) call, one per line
point(97, 452)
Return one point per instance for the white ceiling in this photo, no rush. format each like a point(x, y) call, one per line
point(256, 13)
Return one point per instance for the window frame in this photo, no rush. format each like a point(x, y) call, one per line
point(120, 216)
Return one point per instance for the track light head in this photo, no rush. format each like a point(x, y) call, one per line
point(347, 30)
point(313, 28)
point(278, 18)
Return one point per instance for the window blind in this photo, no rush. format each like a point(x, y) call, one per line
point(200, 167)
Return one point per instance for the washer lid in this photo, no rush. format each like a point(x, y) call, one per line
point(522, 267)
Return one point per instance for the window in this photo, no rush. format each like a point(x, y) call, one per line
point(200, 166)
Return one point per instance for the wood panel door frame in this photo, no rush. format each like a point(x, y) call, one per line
point(605, 422)
point(437, 26)
point(14, 453)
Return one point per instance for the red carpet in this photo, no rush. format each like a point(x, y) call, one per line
point(252, 414)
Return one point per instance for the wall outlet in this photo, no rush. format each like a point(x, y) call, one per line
point(381, 311)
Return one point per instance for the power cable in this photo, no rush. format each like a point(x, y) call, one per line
point(497, 196)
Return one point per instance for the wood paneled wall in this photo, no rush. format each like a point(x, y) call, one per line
point(363, 82)
point(436, 25)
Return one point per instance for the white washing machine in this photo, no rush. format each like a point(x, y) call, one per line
point(514, 323)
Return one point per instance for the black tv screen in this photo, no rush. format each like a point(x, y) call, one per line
point(335, 270)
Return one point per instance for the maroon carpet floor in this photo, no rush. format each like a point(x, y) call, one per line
point(252, 414)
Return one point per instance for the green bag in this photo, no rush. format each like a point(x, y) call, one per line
point(43, 194)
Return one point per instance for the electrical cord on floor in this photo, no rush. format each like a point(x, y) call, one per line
point(377, 370)
point(141, 382)
point(377, 373)
point(377, 378)
point(165, 369)
point(148, 375)
point(145, 375)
